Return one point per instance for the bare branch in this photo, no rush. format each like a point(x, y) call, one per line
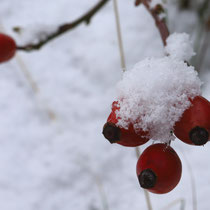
point(160, 23)
point(86, 18)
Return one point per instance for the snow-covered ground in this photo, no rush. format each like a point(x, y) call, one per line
point(66, 163)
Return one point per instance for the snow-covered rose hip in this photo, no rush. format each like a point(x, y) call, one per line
point(194, 125)
point(116, 134)
point(159, 169)
point(7, 47)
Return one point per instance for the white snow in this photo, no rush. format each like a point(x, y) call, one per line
point(179, 46)
point(154, 94)
point(67, 164)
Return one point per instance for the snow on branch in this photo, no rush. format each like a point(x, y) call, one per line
point(86, 18)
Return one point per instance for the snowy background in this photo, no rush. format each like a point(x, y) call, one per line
point(66, 163)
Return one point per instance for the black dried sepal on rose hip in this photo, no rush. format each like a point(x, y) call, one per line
point(199, 136)
point(147, 179)
point(111, 132)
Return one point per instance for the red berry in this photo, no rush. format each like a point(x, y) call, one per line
point(116, 134)
point(159, 169)
point(7, 48)
point(194, 125)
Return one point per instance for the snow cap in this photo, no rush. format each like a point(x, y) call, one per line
point(179, 46)
point(154, 94)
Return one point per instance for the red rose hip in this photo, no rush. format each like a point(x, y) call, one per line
point(7, 48)
point(126, 137)
point(194, 125)
point(159, 169)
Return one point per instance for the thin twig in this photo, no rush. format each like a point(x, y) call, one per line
point(86, 18)
point(34, 86)
point(199, 33)
point(36, 90)
point(123, 66)
point(98, 181)
point(192, 180)
point(203, 51)
point(119, 36)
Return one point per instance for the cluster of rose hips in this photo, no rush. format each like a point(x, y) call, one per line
point(159, 167)
point(7, 48)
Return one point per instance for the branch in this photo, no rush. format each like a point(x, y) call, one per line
point(160, 23)
point(65, 27)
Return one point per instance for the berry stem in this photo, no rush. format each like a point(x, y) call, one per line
point(119, 35)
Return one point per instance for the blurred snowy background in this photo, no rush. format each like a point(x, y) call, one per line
point(66, 163)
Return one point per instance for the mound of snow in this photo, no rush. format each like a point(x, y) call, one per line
point(154, 94)
point(179, 46)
